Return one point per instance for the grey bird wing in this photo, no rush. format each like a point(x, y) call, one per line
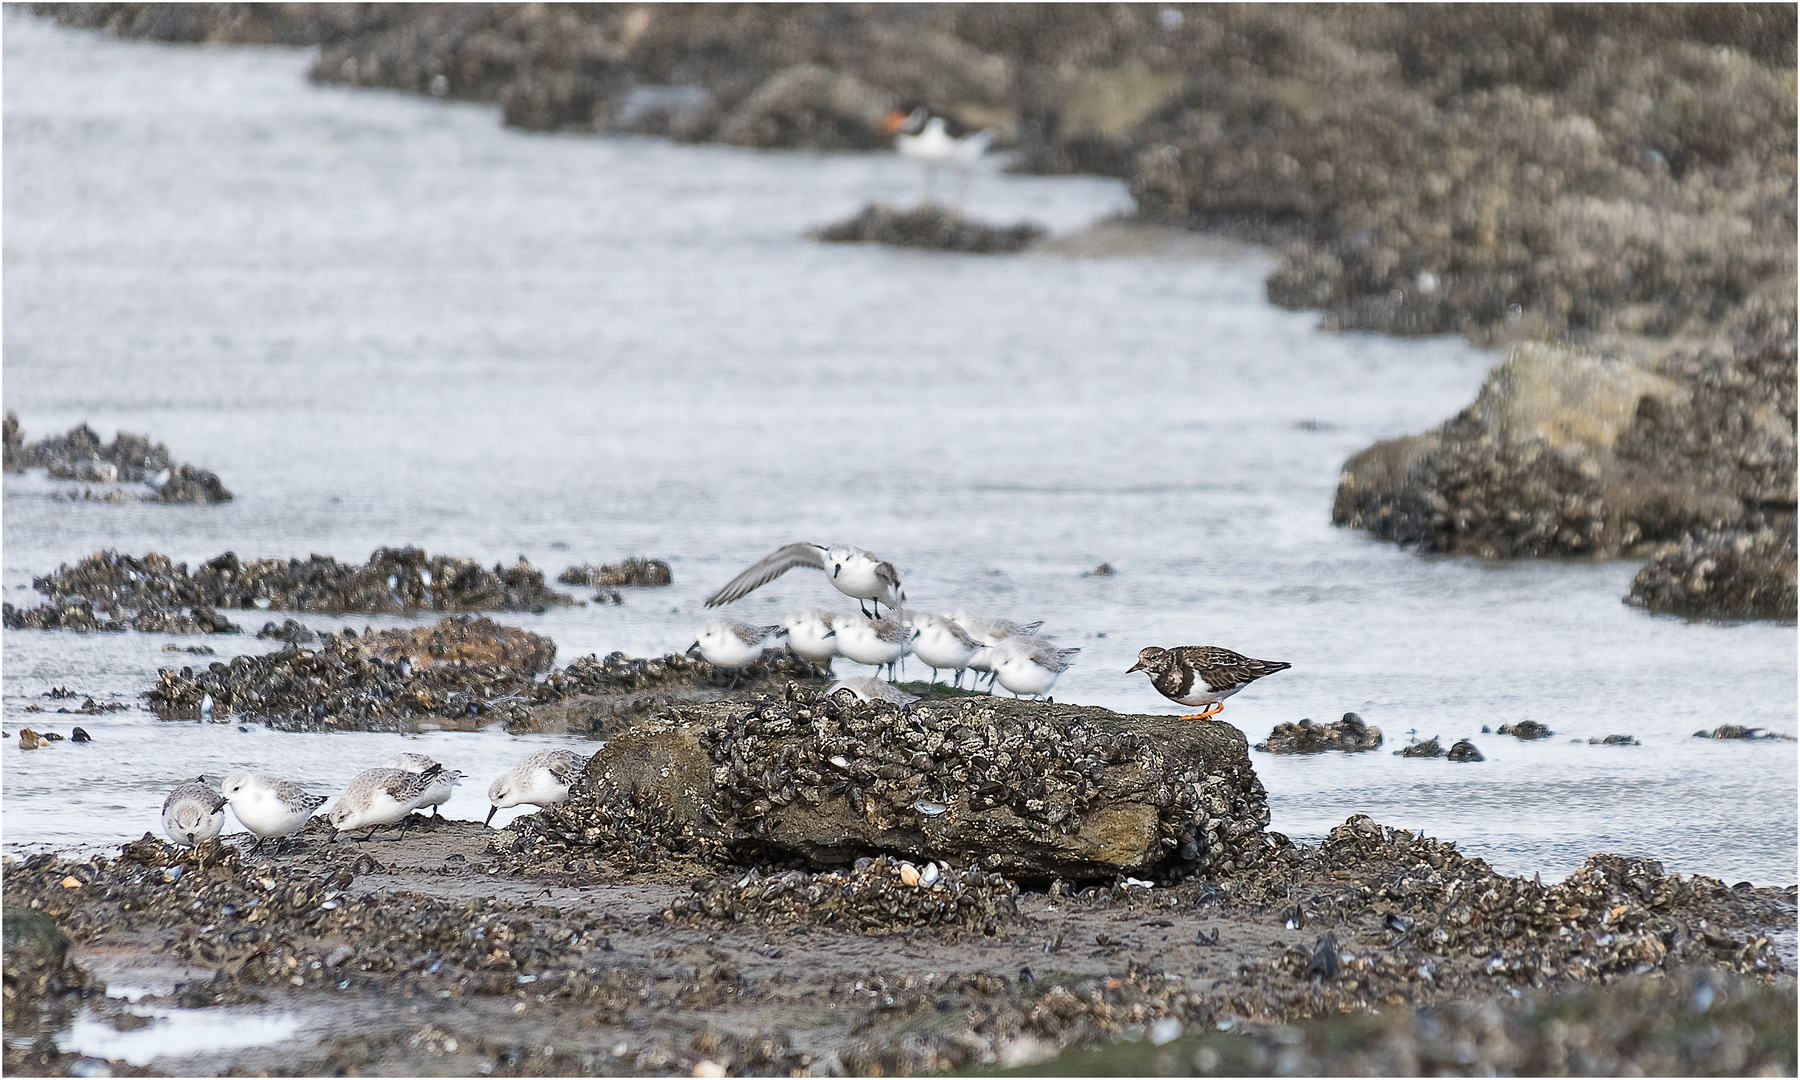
point(750, 635)
point(767, 569)
point(292, 794)
point(886, 572)
point(889, 630)
point(566, 765)
point(1223, 669)
point(311, 802)
point(962, 636)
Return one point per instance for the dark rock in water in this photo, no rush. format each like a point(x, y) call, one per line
point(289, 631)
point(1526, 730)
point(1614, 740)
point(1738, 731)
point(80, 734)
point(393, 581)
point(1105, 569)
point(613, 575)
point(1732, 574)
point(39, 971)
point(77, 614)
point(80, 455)
point(1349, 734)
point(927, 227)
point(1028, 789)
point(1428, 748)
point(1464, 750)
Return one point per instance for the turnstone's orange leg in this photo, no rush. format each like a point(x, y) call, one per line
point(1211, 711)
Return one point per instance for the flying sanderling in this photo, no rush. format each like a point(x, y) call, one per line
point(877, 642)
point(868, 689)
point(728, 643)
point(541, 779)
point(1030, 665)
point(193, 813)
point(940, 643)
point(1201, 674)
point(269, 806)
point(442, 784)
point(809, 634)
point(853, 572)
point(379, 797)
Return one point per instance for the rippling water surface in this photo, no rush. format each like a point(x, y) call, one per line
point(385, 320)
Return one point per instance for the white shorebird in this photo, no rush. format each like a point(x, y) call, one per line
point(940, 643)
point(728, 643)
point(193, 813)
point(876, 642)
point(868, 689)
point(442, 784)
point(1030, 665)
point(809, 634)
point(378, 797)
point(989, 633)
point(269, 806)
point(937, 140)
point(540, 779)
point(854, 572)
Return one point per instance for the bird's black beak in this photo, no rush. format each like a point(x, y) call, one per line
point(831, 633)
point(1139, 666)
point(492, 810)
point(835, 567)
point(692, 649)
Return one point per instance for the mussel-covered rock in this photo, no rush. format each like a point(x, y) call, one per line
point(875, 894)
point(465, 638)
point(632, 571)
point(77, 614)
point(1464, 750)
point(1526, 730)
point(1349, 734)
point(129, 458)
point(39, 970)
point(927, 226)
point(1739, 731)
point(393, 581)
point(1024, 788)
point(1614, 740)
point(1427, 748)
point(1732, 574)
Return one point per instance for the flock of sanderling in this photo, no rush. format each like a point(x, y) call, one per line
point(1012, 655)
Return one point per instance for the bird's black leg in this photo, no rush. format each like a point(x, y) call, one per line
point(256, 847)
point(370, 835)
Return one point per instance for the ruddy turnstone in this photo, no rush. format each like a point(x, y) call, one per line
point(1030, 665)
point(728, 643)
point(877, 642)
point(444, 782)
point(1201, 674)
point(193, 813)
point(940, 643)
point(269, 806)
point(854, 572)
point(870, 689)
point(540, 779)
point(937, 140)
point(809, 634)
point(378, 797)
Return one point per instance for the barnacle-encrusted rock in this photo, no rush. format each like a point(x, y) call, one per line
point(927, 226)
point(1722, 575)
point(464, 638)
point(1427, 748)
point(1349, 734)
point(1464, 750)
point(393, 581)
point(39, 970)
point(1036, 790)
point(633, 571)
point(129, 458)
point(1526, 730)
point(1739, 731)
point(874, 894)
point(77, 614)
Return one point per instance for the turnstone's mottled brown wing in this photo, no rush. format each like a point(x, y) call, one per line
point(1222, 669)
point(767, 569)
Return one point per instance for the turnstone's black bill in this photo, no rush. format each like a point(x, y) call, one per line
point(1201, 674)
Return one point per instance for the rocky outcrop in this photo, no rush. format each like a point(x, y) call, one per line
point(1022, 788)
point(632, 571)
point(1350, 735)
point(927, 226)
point(75, 613)
point(1525, 730)
point(395, 581)
point(128, 459)
point(40, 973)
point(464, 640)
point(1722, 575)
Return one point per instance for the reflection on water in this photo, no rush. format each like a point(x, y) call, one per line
point(385, 320)
point(175, 1033)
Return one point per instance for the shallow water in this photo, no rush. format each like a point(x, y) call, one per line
point(385, 320)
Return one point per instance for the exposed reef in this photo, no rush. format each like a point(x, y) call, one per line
point(129, 459)
point(1350, 735)
point(1722, 575)
point(927, 227)
point(633, 571)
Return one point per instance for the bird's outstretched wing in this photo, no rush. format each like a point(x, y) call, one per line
point(767, 569)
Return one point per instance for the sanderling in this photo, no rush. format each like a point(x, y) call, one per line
point(877, 642)
point(1201, 674)
point(940, 643)
point(1030, 665)
point(442, 783)
point(809, 634)
point(379, 797)
point(989, 633)
point(541, 778)
point(728, 643)
point(853, 572)
point(868, 689)
point(193, 813)
point(269, 806)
